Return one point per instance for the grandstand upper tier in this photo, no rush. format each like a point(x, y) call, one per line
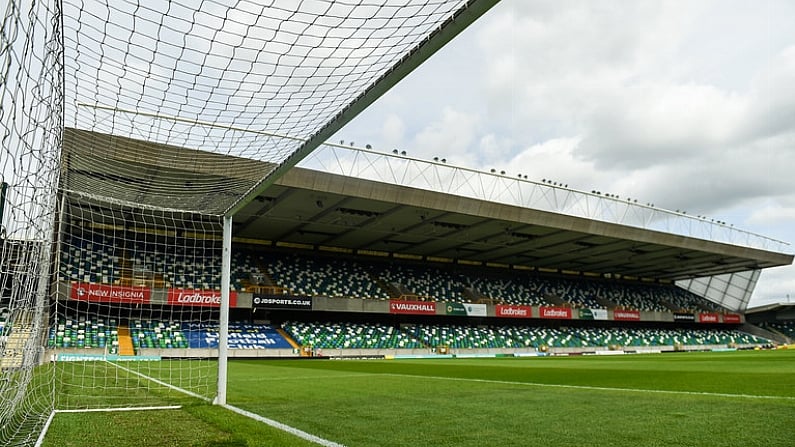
point(311, 209)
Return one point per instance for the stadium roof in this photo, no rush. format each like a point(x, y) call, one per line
point(787, 309)
point(329, 210)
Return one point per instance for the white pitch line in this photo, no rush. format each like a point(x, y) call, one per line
point(160, 382)
point(44, 430)
point(597, 388)
point(113, 410)
point(292, 430)
point(284, 427)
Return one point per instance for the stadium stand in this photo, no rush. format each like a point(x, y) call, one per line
point(84, 333)
point(629, 337)
point(241, 336)
point(783, 327)
point(97, 260)
point(350, 336)
point(155, 334)
point(423, 283)
point(321, 276)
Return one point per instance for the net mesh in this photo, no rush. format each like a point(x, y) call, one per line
point(31, 117)
point(248, 79)
point(129, 129)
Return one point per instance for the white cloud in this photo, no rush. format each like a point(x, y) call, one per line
point(644, 125)
point(772, 108)
point(688, 105)
point(554, 160)
point(393, 131)
point(452, 134)
point(775, 285)
point(770, 214)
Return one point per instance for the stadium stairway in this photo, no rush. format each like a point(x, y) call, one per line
point(125, 341)
point(765, 333)
point(21, 332)
point(289, 339)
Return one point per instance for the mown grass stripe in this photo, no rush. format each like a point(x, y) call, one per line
point(594, 388)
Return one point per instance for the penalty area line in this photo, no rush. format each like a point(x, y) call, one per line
point(283, 427)
point(46, 428)
point(161, 383)
point(275, 424)
point(109, 410)
point(600, 388)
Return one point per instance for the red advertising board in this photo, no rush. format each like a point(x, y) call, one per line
point(514, 311)
point(626, 315)
point(412, 307)
point(707, 318)
point(563, 313)
point(104, 293)
point(731, 319)
point(192, 297)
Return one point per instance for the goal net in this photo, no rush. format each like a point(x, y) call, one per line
point(133, 131)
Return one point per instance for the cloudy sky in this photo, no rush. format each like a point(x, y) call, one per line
point(686, 104)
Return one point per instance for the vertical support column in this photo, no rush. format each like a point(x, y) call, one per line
point(223, 323)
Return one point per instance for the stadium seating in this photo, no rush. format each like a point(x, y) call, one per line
point(84, 333)
point(508, 290)
point(157, 334)
point(783, 327)
point(359, 336)
point(322, 276)
point(94, 259)
point(99, 258)
point(154, 334)
point(424, 283)
point(350, 336)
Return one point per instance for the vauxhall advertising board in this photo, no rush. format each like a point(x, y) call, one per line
point(295, 302)
point(412, 307)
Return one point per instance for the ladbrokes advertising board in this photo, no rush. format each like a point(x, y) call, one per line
point(502, 310)
point(707, 318)
point(563, 313)
point(207, 298)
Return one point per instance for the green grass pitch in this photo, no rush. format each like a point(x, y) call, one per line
point(742, 398)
